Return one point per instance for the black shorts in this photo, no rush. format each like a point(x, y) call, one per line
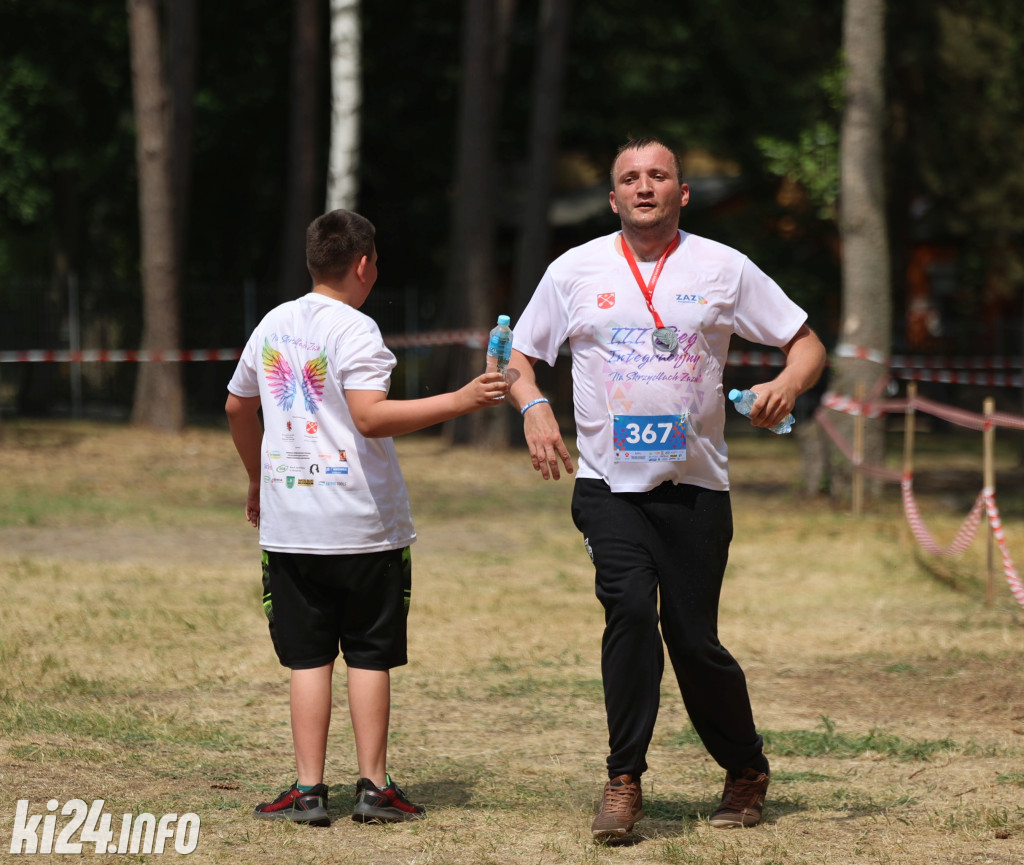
point(360, 603)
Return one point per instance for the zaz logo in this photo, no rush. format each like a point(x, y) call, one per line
point(691, 298)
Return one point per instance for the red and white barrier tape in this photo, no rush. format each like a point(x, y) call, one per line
point(821, 416)
point(469, 337)
point(986, 500)
point(118, 355)
point(964, 535)
point(849, 405)
point(946, 376)
point(1012, 577)
point(845, 349)
point(923, 361)
point(960, 417)
point(944, 370)
point(967, 530)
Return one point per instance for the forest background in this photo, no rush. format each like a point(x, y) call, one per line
point(751, 95)
point(890, 697)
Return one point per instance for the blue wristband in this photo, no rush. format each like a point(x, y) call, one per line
point(530, 405)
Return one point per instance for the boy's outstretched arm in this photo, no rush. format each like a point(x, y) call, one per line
point(247, 434)
point(375, 416)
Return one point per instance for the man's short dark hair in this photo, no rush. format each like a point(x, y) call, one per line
point(643, 144)
point(335, 242)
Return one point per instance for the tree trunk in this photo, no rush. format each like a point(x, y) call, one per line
point(303, 155)
point(159, 394)
point(346, 102)
point(469, 283)
point(181, 40)
point(866, 328)
point(532, 248)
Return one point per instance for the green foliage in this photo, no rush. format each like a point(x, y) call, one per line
point(956, 94)
point(812, 161)
point(64, 140)
point(818, 743)
point(826, 741)
point(755, 84)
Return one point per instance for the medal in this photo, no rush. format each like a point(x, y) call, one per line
point(664, 338)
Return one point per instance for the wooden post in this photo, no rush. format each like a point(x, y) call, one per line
point(908, 445)
point(989, 482)
point(859, 421)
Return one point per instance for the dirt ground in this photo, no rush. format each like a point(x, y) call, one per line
point(891, 702)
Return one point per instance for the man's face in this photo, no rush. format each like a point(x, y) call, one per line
point(646, 192)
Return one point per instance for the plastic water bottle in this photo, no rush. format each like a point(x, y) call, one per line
point(744, 399)
point(499, 346)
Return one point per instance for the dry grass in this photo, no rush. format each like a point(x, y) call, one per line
point(135, 667)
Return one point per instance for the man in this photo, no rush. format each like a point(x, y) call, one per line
point(649, 312)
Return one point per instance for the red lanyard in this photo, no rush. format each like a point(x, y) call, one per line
point(648, 287)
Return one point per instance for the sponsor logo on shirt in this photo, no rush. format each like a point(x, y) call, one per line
point(691, 298)
point(290, 482)
point(305, 482)
point(606, 300)
point(337, 470)
point(311, 427)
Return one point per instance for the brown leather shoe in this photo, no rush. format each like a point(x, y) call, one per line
point(742, 801)
point(621, 806)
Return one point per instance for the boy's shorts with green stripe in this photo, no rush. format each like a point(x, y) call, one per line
point(359, 603)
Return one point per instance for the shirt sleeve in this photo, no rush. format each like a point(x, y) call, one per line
point(764, 313)
point(544, 324)
point(245, 382)
point(367, 363)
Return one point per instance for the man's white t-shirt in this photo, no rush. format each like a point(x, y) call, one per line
point(326, 488)
point(644, 417)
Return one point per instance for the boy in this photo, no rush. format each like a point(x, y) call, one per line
point(327, 494)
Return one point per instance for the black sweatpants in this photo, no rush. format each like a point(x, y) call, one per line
point(671, 543)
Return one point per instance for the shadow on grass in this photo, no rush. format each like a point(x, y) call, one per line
point(671, 817)
point(444, 793)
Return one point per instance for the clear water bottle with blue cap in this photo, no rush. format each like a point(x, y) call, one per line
point(743, 400)
point(499, 346)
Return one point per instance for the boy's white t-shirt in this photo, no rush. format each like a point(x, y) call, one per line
point(644, 417)
point(326, 489)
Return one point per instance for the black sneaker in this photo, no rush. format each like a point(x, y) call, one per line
point(389, 805)
point(297, 806)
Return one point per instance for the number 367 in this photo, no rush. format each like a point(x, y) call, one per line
point(649, 433)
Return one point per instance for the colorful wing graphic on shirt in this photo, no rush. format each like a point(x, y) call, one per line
point(314, 373)
point(280, 377)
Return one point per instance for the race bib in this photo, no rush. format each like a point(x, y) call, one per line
point(649, 438)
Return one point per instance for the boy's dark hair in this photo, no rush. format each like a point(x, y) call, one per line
point(643, 144)
point(335, 242)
